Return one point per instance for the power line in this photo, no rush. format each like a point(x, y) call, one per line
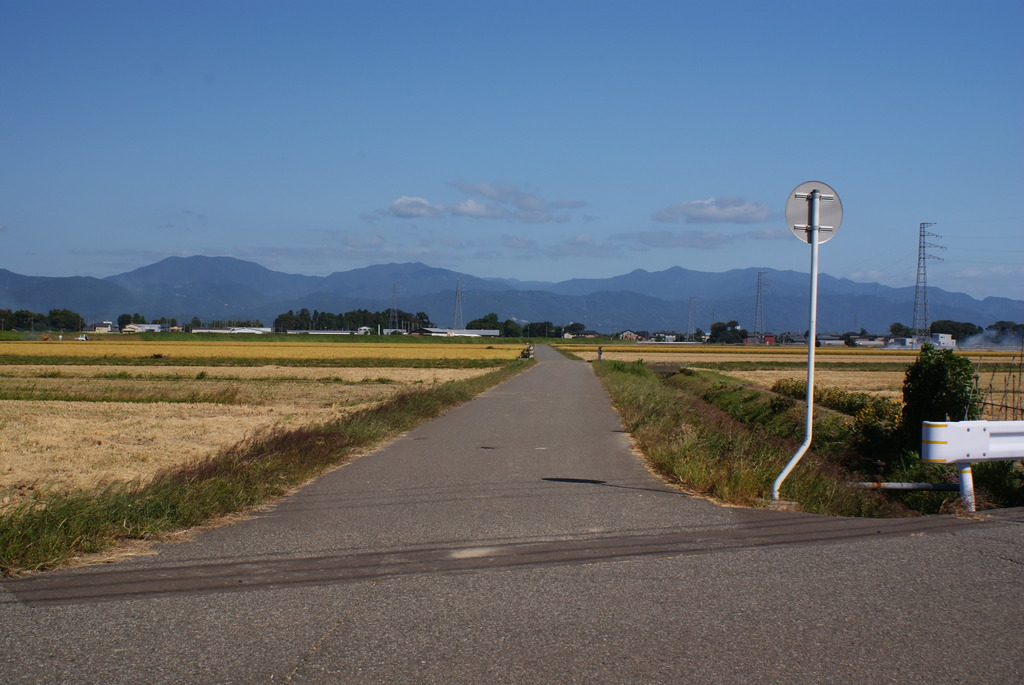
point(457, 317)
point(393, 319)
point(762, 285)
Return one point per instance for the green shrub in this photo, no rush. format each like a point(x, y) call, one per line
point(938, 386)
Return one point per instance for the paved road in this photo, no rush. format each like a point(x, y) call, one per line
point(517, 540)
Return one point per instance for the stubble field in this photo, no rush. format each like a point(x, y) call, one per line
point(107, 411)
point(873, 371)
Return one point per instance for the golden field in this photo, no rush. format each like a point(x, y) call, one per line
point(855, 370)
point(741, 353)
point(210, 349)
point(84, 425)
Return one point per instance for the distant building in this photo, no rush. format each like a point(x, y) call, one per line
point(308, 332)
point(143, 328)
point(831, 341)
point(943, 341)
point(251, 330)
point(870, 342)
point(457, 332)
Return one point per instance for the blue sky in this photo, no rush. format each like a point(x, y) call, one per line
point(531, 140)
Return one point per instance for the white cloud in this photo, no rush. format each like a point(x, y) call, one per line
point(529, 203)
point(407, 207)
point(722, 210)
point(503, 202)
point(473, 208)
point(517, 204)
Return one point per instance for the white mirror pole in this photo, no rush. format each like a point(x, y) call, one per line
point(813, 225)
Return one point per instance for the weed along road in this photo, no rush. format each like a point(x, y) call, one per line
point(518, 540)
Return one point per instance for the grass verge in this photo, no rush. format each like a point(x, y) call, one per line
point(714, 452)
point(53, 527)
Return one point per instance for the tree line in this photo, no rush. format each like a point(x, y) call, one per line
point(532, 329)
point(65, 320)
point(305, 320)
point(960, 330)
point(196, 323)
point(57, 320)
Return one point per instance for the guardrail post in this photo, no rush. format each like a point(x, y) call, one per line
point(966, 484)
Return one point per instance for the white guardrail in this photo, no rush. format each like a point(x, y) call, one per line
point(965, 442)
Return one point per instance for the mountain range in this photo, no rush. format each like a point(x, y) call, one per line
point(225, 288)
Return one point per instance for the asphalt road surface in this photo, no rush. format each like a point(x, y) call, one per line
point(518, 540)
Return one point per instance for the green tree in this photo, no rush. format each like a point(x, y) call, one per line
point(325, 321)
point(29, 321)
point(542, 329)
point(1001, 330)
point(958, 329)
point(898, 330)
point(489, 322)
point(726, 333)
point(65, 320)
point(285, 322)
point(939, 386)
point(510, 329)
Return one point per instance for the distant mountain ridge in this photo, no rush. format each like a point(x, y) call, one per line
point(219, 288)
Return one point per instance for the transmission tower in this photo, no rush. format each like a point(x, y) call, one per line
point(920, 325)
point(393, 319)
point(762, 287)
point(689, 320)
point(457, 318)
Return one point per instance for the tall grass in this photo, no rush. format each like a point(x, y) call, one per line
point(46, 531)
point(709, 451)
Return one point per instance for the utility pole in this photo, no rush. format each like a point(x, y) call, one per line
point(920, 324)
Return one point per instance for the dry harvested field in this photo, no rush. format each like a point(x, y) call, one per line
point(875, 371)
point(83, 425)
point(214, 349)
point(697, 354)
